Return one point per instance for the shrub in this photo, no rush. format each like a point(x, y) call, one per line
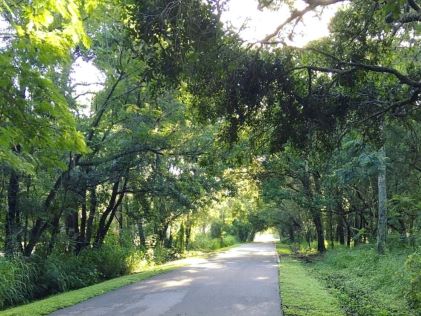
point(17, 281)
point(63, 272)
point(110, 260)
point(229, 240)
point(366, 283)
point(205, 243)
point(161, 254)
point(413, 266)
point(136, 260)
point(216, 229)
point(241, 230)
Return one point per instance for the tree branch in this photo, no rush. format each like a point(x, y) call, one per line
point(402, 78)
point(298, 15)
point(414, 5)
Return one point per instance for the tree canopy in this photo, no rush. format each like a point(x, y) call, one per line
point(196, 132)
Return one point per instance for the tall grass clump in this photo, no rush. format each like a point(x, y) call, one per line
point(369, 284)
point(17, 281)
point(204, 242)
point(413, 294)
point(22, 279)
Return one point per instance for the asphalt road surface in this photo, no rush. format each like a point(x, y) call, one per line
point(242, 281)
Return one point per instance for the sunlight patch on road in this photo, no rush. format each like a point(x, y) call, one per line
point(261, 278)
point(176, 283)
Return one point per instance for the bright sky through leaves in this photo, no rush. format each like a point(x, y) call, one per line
point(241, 14)
point(87, 80)
point(260, 23)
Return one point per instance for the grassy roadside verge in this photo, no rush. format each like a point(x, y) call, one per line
point(55, 302)
point(301, 293)
point(368, 284)
point(62, 300)
point(363, 282)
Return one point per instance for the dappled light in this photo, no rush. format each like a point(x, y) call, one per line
point(261, 278)
point(236, 280)
point(169, 284)
point(169, 147)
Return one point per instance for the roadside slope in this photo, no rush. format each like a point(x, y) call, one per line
point(301, 293)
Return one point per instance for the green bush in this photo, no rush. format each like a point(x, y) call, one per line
point(110, 260)
point(413, 266)
point(17, 281)
point(136, 260)
point(216, 229)
point(161, 254)
point(241, 230)
point(63, 272)
point(22, 280)
point(204, 242)
point(368, 284)
point(229, 240)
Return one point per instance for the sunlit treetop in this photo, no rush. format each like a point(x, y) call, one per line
point(35, 121)
point(50, 27)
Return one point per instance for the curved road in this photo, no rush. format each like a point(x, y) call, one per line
point(241, 281)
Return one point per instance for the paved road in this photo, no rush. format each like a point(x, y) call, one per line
point(242, 281)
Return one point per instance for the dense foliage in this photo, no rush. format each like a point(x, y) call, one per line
point(197, 140)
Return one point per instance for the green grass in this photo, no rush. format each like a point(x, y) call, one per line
point(367, 284)
point(53, 303)
point(301, 293)
point(363, 282)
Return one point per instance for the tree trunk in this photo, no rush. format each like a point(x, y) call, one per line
point(92, 210)
point(330, 227)
point(41, 224)
point(81, 240)
point(251, 236)
point(382, 211)
point(317, 220)
point(188, 232)
point(12, 217)
point(340, 231)
point(108, 215)
point(315, 211)
point(291, 233)
point(141, 233)
point(357, 223)
point(72, 229)
point(348, 235)
point(55, 229)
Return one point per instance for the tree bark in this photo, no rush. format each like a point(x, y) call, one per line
point(315, 211)
point(340, 231)
point(188, 231)
point(92, 210)
point(330, 227)
point(12, 217)
point(382, 211)
point(41, 224)
point(81, 240)
point(141, 233)
point(55, 229)
point(109, 213)
point(291, 233)
point(348, 235)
